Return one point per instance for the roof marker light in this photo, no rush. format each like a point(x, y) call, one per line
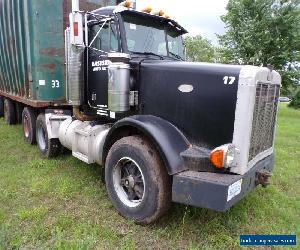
point(126, 4)
point(147, 9)
point(158, 12)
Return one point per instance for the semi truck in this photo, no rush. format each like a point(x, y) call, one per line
point(112, 85)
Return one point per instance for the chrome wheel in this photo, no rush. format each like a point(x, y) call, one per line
point(137, 181)
point(129, 182)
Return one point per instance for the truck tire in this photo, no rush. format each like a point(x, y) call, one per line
point(19, 107)
point(49, 148)
point(1, 106)
point(29, 125)
point(9, 112)
point(137, 181)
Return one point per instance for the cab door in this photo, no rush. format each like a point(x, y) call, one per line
point(103, 38)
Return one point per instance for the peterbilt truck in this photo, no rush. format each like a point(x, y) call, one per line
point(112, 85)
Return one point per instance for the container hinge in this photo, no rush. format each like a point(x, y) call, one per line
point(134, 98)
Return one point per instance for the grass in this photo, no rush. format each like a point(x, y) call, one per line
point(62, 203)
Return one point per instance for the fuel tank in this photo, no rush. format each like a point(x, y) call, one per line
point(199, 98)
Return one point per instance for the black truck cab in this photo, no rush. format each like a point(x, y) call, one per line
point(120, 93)
point(165, 129)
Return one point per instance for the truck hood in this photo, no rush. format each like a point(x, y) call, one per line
point(198, 98)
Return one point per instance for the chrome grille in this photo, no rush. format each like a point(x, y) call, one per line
point(264, 118)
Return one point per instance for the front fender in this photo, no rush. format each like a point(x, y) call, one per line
point(168, 139)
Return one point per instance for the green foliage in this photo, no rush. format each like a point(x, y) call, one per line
point(261, 32)
point(290, 90)
point(295, 103)
point(199, 49)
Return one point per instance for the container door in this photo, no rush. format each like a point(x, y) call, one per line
point(48, 50)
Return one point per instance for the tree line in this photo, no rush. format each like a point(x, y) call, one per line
point(258, 32)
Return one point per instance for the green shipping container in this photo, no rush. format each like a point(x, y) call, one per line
point(32, 53)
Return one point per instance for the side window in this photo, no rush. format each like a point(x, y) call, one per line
point(173, 45)
point(176, 47)
point(114, 43)
point(162, 49)
point(107, 39)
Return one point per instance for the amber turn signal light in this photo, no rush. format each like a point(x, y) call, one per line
point(217, 158)
point(223, 156)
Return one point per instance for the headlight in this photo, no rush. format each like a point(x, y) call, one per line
point(223, 156)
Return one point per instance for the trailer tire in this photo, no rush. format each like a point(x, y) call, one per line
point(9, 112)
point(1, 106)
point(19, 107)
point(49, 148)
point(29, 125)
point(137, 181)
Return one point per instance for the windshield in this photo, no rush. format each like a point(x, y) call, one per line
point(152, 36)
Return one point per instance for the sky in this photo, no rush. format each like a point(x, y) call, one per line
point(198, 17)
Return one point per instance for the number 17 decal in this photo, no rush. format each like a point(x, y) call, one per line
point(229, 80)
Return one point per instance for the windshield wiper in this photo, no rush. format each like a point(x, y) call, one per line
point(148, 53)
point(176, 56)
